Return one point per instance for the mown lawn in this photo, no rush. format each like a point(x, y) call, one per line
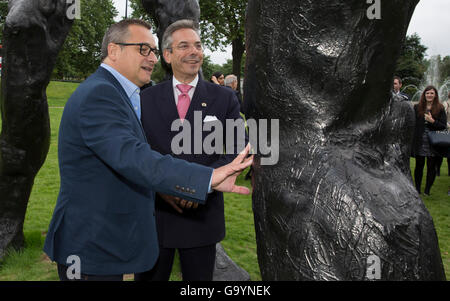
point(240, 244)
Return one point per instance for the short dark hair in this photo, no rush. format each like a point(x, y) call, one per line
point(399, 79)
point(118, 33)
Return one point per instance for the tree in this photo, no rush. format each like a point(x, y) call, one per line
point(81, 52)
point(444, 68)
point(222, 23)
point(411, 63)
point(3, 13)
point(227, 68)
point(208, 67)
point(140, 13)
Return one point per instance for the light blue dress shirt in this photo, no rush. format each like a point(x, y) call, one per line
point(132, 91)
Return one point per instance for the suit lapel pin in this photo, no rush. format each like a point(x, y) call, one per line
point(204, 104)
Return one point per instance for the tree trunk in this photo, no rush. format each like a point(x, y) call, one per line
point(238, 48)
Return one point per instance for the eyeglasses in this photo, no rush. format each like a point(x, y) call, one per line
point(185, 46)
point(144, 48)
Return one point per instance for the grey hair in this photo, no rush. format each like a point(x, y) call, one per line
point(119, 33)
point(180, 24)
point(230, 79)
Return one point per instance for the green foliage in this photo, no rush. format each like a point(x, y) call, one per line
point(3, 13)
point(444, 67)
point(227, 68)
point(223, 23)
point(208, 68)
point(140, 13)
point(81, 52)
point(158, 73)
point(411, 63)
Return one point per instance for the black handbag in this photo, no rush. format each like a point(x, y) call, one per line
point(439, 138)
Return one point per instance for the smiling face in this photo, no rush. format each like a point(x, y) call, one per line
point(184, 57)
point(430, 95)
point(221, 80)
point(128, 60)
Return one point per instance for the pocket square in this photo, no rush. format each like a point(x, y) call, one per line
point(209, 118)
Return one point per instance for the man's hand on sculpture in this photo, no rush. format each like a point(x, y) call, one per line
point(224, 178)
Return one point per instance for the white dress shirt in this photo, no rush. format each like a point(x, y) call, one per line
point(177, 92)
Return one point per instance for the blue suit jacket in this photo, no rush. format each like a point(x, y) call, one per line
point(109, 174)
point(206, 224)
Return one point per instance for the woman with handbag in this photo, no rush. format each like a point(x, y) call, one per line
point(430, 116)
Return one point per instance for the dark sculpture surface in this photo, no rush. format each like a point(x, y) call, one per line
point(166, 12)
point(340, 194)
point(33, 34)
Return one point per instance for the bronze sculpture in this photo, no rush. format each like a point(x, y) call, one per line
point(338, 205)
point(33, 34)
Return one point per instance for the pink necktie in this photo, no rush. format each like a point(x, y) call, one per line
point(183, 100)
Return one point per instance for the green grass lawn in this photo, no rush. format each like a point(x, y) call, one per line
point(240, 244)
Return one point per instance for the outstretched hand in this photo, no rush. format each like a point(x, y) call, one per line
point(224, 178)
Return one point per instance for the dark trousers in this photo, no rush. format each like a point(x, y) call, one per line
point(431, 172)
point(62, 273)
point(197, 264)
point(439, 164)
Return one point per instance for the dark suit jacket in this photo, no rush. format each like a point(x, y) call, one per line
point(109, 174)
point(206, 224)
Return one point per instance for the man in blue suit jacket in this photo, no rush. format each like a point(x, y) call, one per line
point(195, 230)
point(104, 216)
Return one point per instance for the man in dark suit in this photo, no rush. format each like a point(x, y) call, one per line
point(396, 86)
point(104, 216)
point(191, 228)
point(231, 82)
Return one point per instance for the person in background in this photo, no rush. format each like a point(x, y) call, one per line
point(191, 229)
point(397, 85)
point(430, 116)
point(231, 81)
point(218, 78)
point(446, 105)
point(104, 215)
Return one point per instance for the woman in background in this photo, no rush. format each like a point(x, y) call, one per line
point(430, 116)
point(446, 105)
point(218, 78)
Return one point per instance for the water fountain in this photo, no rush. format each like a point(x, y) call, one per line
point(431, 77)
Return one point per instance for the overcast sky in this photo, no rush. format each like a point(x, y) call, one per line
point(430, 21)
